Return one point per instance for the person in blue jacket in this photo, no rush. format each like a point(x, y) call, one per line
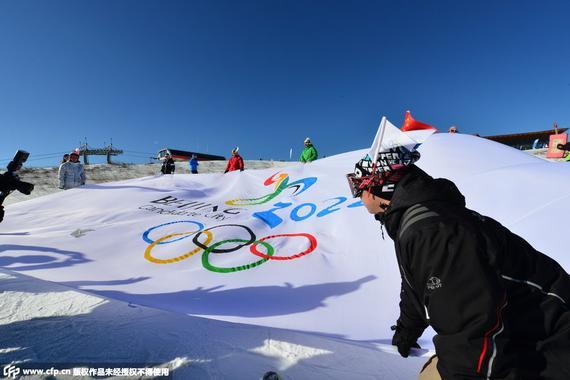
point(194, 164)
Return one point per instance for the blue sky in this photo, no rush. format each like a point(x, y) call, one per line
point(263, 75)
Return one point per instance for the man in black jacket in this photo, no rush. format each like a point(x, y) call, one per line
point(498, 306)
point(168, 166)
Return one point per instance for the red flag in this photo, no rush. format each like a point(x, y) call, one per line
point(410, 124)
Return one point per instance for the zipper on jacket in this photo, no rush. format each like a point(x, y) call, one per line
point(426, 305)
point(421, 309)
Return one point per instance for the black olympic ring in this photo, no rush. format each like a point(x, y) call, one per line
point(204, 247)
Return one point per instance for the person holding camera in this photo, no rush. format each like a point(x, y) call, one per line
point(71, 174)
point(10, 180)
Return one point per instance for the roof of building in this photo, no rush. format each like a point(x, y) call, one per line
point(184, 155)
point(526, 135)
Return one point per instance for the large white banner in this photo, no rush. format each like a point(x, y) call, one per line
point(284, 248)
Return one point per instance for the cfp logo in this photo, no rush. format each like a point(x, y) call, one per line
point(11, 371)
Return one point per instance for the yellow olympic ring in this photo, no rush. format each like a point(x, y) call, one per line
point(149, 257)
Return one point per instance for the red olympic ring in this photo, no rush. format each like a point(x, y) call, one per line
point(312, 247)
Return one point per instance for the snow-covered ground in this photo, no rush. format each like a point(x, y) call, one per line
point(43, 322)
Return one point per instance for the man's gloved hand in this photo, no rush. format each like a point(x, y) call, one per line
point(404, 339)
point(1, 213)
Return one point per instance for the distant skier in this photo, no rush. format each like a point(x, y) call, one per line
point(235, 162)
point(194, 164)
point(168, 166)
point(71, 173)
point(499, 307)
point(309, 153)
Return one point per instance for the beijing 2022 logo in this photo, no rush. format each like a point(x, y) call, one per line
point(203, 237)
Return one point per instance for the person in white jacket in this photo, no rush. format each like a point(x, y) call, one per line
point(71, 174)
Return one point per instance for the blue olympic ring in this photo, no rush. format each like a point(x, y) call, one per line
point(150, 241)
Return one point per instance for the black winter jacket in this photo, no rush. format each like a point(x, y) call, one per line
point(498, 306)
point(168, 166)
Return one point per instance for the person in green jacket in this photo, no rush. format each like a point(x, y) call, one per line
point(309, 153)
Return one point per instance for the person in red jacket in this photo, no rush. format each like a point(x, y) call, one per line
point(236, 162)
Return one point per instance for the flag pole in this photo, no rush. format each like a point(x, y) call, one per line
point(382, 129)
point(380, 135)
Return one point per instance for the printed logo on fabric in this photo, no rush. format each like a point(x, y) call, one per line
point(434, 283)
point(202, 236)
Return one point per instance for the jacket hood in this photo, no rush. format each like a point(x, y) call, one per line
point(419, 187)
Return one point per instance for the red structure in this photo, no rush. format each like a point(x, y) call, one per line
point(553, 151)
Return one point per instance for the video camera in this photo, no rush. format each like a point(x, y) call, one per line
point(10, 180)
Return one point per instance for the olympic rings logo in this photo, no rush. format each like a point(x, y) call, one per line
point(281, 182)
point(208, 248)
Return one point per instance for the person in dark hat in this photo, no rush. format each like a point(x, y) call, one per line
point(498, 306)
point(168, 166)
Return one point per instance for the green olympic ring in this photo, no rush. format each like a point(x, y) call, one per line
point(206, 263)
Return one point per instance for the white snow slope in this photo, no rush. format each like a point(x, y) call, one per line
point(45, 324)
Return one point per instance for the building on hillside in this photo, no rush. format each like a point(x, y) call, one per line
point(182, 155)
point(527, 140)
